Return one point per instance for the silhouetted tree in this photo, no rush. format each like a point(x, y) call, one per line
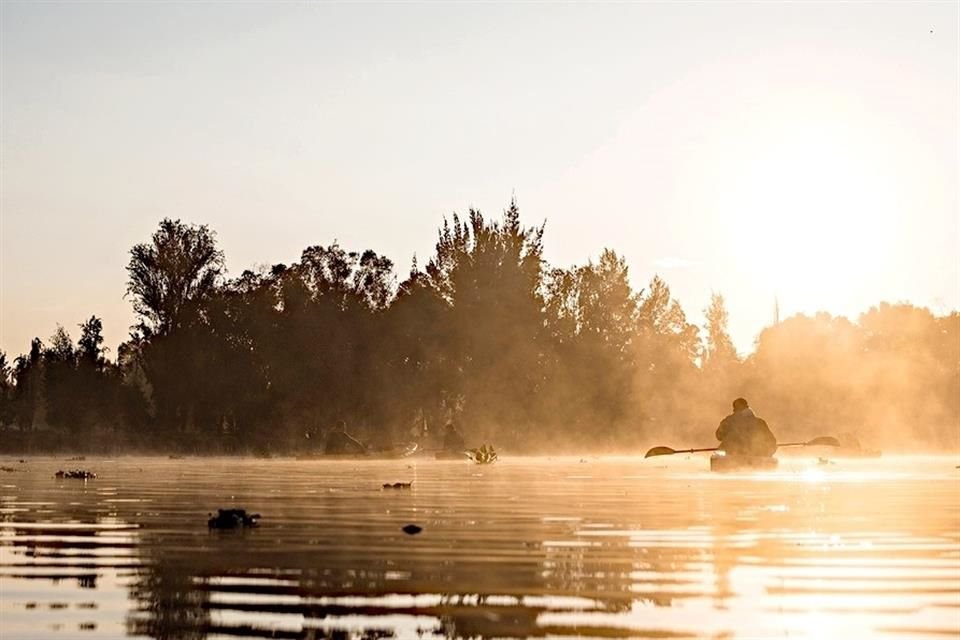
point(491, 275)
point(487, 334)
point(6, 390)
point(719, 352)
point(170, 276)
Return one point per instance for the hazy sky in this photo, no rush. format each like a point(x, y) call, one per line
point(806, 150)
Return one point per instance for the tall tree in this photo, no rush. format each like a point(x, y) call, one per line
point(591, 315)
point(6, 390)
point(719, 352)
point(90, 349)
point(491, 275)
point(170, 275)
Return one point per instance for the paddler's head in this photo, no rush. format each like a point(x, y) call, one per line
point(740, 404)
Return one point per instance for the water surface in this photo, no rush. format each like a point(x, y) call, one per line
point(529, 547)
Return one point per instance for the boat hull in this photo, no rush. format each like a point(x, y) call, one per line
point(728, 463)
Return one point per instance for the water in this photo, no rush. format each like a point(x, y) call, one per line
point(611, 548)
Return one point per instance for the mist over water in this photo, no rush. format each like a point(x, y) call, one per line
point(530, 357)
point(562, 547)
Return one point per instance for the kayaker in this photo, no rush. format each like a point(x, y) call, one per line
point(744, 433)
point(453, 439)
point(338, 441)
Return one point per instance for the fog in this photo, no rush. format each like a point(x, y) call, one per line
point(529, 357)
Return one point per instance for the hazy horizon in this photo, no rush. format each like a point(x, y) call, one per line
point(800, 152)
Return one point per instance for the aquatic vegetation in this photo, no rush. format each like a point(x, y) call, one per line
point(233, 519)
point(77, 474)
point(484, 455)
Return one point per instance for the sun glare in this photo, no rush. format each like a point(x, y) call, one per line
point(814, 208)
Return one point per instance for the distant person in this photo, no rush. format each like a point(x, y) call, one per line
point(338, 441)
point(452, 439)
point(744, 433)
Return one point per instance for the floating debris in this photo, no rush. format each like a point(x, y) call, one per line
point(824, 462)
point(77, 459)
point(175, 457)
point(412, 529)
point(484, 455)
point(76, 474)
point(7, 469)
point(233, 519)
point(398, 485)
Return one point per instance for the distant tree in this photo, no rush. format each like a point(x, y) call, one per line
point(666, 351)
point(61, 348)
point(719, 352)
point(29, 406)
point(374, 280)
point(491, 275)
point(172, 274)
point(90, 349)
point(591, 313)
point(664, 326)
point(6, 390)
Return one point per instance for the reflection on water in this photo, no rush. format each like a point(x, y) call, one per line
point(528, 547)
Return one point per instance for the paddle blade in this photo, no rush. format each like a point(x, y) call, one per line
point(659, 451)
point(823, 441)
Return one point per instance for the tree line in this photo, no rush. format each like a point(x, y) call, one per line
point(486, 334)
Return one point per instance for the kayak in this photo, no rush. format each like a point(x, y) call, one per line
point(741, 463)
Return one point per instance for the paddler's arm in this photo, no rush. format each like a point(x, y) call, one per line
point(722, 429)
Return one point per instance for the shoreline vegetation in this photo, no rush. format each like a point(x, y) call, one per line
point(487, 335)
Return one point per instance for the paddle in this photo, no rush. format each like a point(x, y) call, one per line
point(667, 451)
point(822, 441)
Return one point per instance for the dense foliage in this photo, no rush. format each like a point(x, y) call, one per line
point(487, 334)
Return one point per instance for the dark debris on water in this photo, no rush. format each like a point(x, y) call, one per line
point(412, 529)
point(398, 485)
point(233, 519)
point(76, 474)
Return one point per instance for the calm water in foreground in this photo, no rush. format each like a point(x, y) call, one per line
point(619, 547)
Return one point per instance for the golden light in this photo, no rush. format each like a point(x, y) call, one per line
point(812, 207)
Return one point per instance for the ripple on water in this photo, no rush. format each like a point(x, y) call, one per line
point(529, 547)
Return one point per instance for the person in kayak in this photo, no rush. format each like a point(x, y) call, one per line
point(453, 439)
point(744, 433)
point(338, 441)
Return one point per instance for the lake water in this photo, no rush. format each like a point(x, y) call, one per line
point(604, 547)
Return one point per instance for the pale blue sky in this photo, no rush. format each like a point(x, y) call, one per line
point(805, 150)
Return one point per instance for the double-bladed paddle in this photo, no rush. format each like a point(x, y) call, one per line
point(821, 441)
